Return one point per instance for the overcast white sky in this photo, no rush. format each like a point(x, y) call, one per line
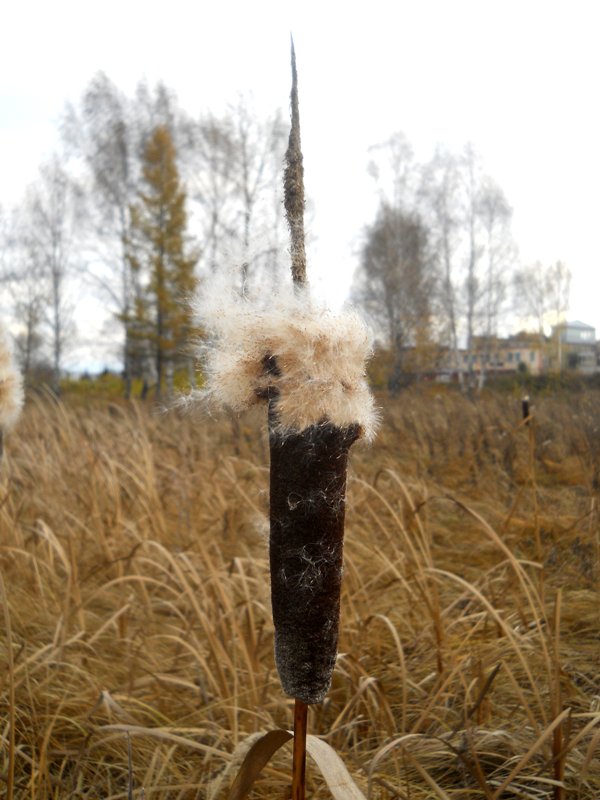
point(518, 79)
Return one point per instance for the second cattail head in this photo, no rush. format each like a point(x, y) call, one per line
point(11, 387)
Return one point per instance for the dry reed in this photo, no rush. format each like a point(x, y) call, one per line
point(136, 605)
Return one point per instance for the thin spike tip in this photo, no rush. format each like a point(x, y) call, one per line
point(293, 184)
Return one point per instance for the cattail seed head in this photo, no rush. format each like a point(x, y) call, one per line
point(11, 386)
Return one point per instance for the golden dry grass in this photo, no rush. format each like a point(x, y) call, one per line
point(136, 611)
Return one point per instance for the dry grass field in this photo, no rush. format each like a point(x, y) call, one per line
point(136, 643)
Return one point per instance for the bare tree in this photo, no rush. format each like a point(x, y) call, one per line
point(469, 221)
point(24, 279)
point(542, 293)
point(394, 284)
point(260, 149)
point(438, 197)
point(235, 184)
point(531, 291)
point(559, 282)
point(47, 231)
point(559, 285)
point(494, 215)
point(212, 183)
point(101, 134)
point(397, 176)
point(473, 250)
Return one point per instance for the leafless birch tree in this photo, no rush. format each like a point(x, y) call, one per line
point(48, 230)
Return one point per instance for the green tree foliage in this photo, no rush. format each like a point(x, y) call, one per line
point(161, 262)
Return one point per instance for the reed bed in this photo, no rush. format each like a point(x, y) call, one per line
point(136, 654)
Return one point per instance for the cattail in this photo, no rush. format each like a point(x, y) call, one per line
point(525, 409)
point(307, 365)
point(11, 389)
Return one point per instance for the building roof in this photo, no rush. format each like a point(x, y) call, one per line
point(578, 324)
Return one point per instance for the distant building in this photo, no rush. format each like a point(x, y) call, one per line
point(522, 351)
point(497, 356)
point(574, 347)
point(577, 333)
point(571, 347)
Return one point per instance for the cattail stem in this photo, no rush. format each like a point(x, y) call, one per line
point(299, 756)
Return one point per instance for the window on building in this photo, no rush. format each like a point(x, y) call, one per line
point(517, 356)
point(509, 357)
point(532, 355)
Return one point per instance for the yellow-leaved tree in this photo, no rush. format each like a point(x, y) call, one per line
point(162, 265)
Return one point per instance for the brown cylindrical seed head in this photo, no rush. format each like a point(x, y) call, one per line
point(525, 408)
point(308, 488)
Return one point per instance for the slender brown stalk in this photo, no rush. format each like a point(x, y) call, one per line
point(558, 750)
point(539, 550)
point(10, 781)
point(299, 758)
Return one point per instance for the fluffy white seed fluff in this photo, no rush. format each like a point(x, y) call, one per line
point(11, 386)
point(320, 358)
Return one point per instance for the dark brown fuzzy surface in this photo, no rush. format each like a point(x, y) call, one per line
point(308, 486)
